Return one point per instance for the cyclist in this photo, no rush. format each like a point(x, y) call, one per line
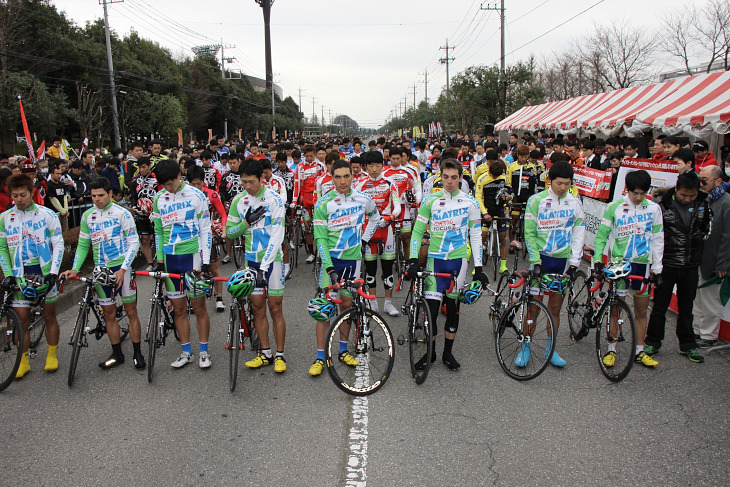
point(358, 175)
point(110, 232)
point(258, 213)
point(434, 184)
point(212, 175)
point(467, 163)
point(386, 198)
point(522, 177)
point(305, 179)
point(182, 235)
point(230, 188)
point(325, 184)
point(278, 185)
point(637, 228)
point(493, 195)
point(408, 182)
point(453, 218)
point(218, 218)
point(156, 154)
point(339, 219)
point(554, 231)
point(143, 189)
point(31, 243)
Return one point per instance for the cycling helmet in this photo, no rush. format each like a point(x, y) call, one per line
point(320, 309)
point(241, 283)
point(33, 287)
point(554, 283)
point(471, 293)
point(144, 206)
point(197, 283)
point(617, 269)
point(216, 226)
point(104, 276)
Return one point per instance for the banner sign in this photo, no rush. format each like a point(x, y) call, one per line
point(26, 132)
point(593, 210)
point(179, 137)
point(592, 183)
point(663, 173)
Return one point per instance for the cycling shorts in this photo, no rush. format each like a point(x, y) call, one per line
point(106, 294)
point(346, 269)
point(409, 214)
point(435, 287)
point(382, 243)
point(180, 264)
point(274, 279)
point(623, 286)
point(497, 212)
point(550, 265)
point(144, 225)
point(19, 301)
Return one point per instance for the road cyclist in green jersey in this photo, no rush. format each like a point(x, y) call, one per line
point(183, 239)
point(258, 214)
point(31, 243)
point(554, 232)
point(339, 232)
point(454, 219)
point(110, 232)
point(637, 230)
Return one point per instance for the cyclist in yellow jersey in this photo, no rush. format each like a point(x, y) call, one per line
point(492, 192)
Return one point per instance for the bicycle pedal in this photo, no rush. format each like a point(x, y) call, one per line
point(401, 340)
point(32, 353)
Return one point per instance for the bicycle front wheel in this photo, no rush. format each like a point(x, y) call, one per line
point(494, 249)
point(77, 341)
point(419, 341)
point(239, 252)
point(579, 306)
point(522, 339)
point(370, 341)
point(11, 348)
point(153, 337)
point(37, 326)
point(616, 333)
point(123, 321)
point(234, 344)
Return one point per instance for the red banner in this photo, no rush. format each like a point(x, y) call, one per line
point(28, 140)
point(593, 183)
point(179, 137)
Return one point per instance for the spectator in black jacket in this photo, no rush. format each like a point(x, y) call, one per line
point(687, 218)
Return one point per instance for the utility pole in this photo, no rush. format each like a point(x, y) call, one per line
point(300, 99)
point(503, 81)
point(323, 116)
point(266, 7)
point(229, 60)
point(313, 114)
point(425, 82)
point(446, 60)
point(414, 97)
point(273, 110)
point(110, 67)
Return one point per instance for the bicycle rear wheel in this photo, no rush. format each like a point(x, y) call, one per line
point(616, 332)
point(77, 341)
point(247, 318)
point(11, 348)
point(234, 344)
point(375, 353)
point(500, 303)
point(494, 249)
point(522, 339)
point(419, 341)
point(579, 306)
point(239, 252)
point(317, 268)
point(37, 326)
point(123, 320)
point(297, 241)
point(153, 337)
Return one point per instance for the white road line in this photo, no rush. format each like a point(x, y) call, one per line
point(357, 456)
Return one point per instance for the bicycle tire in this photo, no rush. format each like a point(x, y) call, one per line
point(37, 327)
point(509, 341)
point(376, 353)
point(11, 348)
point(317, 268)
point(500, 302)
point(398, 266)
point(253, 336)
point(297, 240)
point(234, 345)
point(419, 340)
point(625, 344)
point(123, 321)
point(494, 245)
point(580, 306)
point(153, 338)
point(76, 343)
point(239, 252)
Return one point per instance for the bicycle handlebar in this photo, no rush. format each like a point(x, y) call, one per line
point(443, 275)
point(157, 275)
point(357, 284)
point(645, 280)
point(523, 275)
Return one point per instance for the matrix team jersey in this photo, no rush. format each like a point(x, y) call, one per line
point(30, 237)
point(523, 180)
point(384, 194)
point(263, 240)
point(182, 223)
point(453, 219)
point(405, 178)
point(324, 185)
point(434, 184)
point(637, 231)
point(230, 186)
point(338, 225)
point(487, 189)
point(554, 227)
point(112, 236)
point(305, 182)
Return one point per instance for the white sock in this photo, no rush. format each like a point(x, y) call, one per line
point(387, 301)
point(639, 349)
point(279, 354)
point(266, 352)
point(611, 347)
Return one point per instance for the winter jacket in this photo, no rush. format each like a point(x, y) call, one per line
point(683, 246)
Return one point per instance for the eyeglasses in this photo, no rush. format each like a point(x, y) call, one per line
point(705, 181)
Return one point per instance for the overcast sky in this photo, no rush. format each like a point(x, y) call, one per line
point(360, 57)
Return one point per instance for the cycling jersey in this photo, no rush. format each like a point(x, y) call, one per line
point(153, 162)
point(434, 164)
point(263, 240)
point(405, 177)
point(278, 185)
point(230, 186)
point(339, 222)
point(384, 194)
point(467, 163)
point(637, 231)
point(288, 176)
point(434, 184)
point(30, 237)
point(305, 181)
point(452, 219)
point(355, 154)
point(182, 223)
point(212, 178)
point(488, 188)
point(215, 203)
point(554, 227)
point(359, 177)
point(143, 187)
point(112, 236)
point(523, 179)
point(481, 170)
point(324, 185)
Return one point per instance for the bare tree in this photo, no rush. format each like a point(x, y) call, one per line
point(564, 75)
point(91, 114)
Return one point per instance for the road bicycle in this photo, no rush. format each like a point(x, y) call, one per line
point(36, 328)
point(490, 249)
point(399, 264)
point(240, 329)
point(11, 336)
point(523, 337)
point(88, 305)
point(519, 229)
point(368, 339)
point(607, 312)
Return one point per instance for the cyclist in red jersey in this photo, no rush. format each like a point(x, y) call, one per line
point(407, 181)
point(358, 175)
point(305, 181)
point(325, 183)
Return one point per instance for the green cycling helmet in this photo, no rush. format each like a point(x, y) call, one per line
point(554, 283)
point(197, 283)
point(321, 309)
point(241, 284)
point(471, 293)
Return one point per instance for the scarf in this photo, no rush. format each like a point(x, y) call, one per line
point(717, 192)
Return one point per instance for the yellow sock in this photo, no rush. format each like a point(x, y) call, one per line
point(502, 265)
point(24, 367)
point(51, 360)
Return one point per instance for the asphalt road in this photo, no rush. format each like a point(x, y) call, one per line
point(476, 426)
